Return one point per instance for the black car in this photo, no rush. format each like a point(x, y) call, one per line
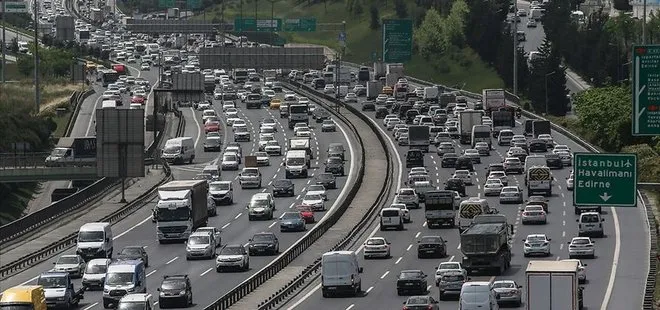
point(464, 163)
point(537, 146)
point(381, 112)
point(411, 281)
point(368, 106)
point(175, 291)
point(449, 160)
point(455, 184)
point(336, 150)
point(283, 187)
point(431, 246)
point(335, 166)
point(495, 167)
point(264, 243)
point(327, 179)
point(553, 161)
point(134, 253)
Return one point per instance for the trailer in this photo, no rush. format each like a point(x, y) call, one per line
point(181, 208)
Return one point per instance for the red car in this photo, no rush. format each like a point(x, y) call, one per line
point(137, 99)
point(307, 213)
point(212, 126)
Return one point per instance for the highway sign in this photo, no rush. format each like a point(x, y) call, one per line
point(300, 24)
point(166, 4)
point(397, 40)
point(646, 90)
point(261, 25)
point(193, 4)
point(608, 180)
point(14, 6)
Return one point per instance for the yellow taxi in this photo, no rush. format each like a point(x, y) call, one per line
point(275, 103)
point(387, 90)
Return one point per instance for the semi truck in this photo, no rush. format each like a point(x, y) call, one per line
point(298, 113)
point(418, 138)
point(503, 119)
point(553, 285)
point(493, 100)
point(541, 127)
point(439, 208)
point(73, 151)
point(467, 120)
point(485, 244)
point(59, 290)
point(181, 208)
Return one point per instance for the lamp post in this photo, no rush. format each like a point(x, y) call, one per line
point(546, 90)
point(240, 33)
point(272, 20)
point(515, 47)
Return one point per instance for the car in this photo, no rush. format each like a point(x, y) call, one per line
point(538, 200)
point(581, 247)
point(211, 126)
point(561, 147)
point(72, 264)
point(473, 154)
point(351, 97)
point(303, 133)
point(227, 105)
point(238, 123)
point(262, 158)
point(431, 246)
point(493, 187)
point(376, 247)
point(515, 151)
point(145, 66)
point(222, 192)
point(531, 23)
point(508, 292)
point(420, 302)
point(232, 256)
point(449, 160)
point(328, 180)
point(241, 134)
point(334, 165)
point(446, 267)
point(513, 165)
point(283, 187)
point(200, 245)
point(565, 157)
point(554, 161)
point(307, 213)
point(444, 148)
point(230, 161)
point(264, 243)
point(213, 143)
point(411, 281)
point(536, 244)
point(231, 112)
point(533, 214)
point(336, 150)
point(511, 194)
point(582, 271)
point(381, 112)
point(328, 125)
point(404, 211)
point(368, 106)
point(292, 221)
point(175, 291)
point(134, 253)
point(315, 201)
point(137, 99)
point(547, 139)
point(482, 148)
point(464, 175)
point(300, 127)
point(499, 175)
point(213, 231)
point(570, 182)
point(317, 189)
point(408, 197)
point(273, 148)
point(455, 184)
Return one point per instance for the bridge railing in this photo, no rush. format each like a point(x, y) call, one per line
point(35, 160)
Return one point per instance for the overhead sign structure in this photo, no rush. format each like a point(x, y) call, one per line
point(608, 180)
point(299, 25)
point(397, 40)
point(257, 25)
point(646, 90)
point(13, 6)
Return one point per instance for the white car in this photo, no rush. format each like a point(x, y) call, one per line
point(493, 187)
point(388, 118)
point(351, 97)
point(304, 133)
point(499, 175)
point(376, 247)
point(534, 214)
point(561, 147)
point(208, 114)
point(581, 247)
point(299, 127)
point(72, 264)
point(473, 154)
point(232, 256)
point(329, 89)
point(404, 211)
point(273, 148)
point(262, 158)
point(463, 175)
point(547, 139)
point(536, 244)
point(228, 104)
point(448, 267)
point(315, 201)
point(229, 161)
point(392, 123)
point(317, 189)
point(231, 113)
point(145, 66)
point(418, 170)
point(511, 194)
point(565, 156)
point(203, 105)
point(239, 123)
point(582, 271)
point(231, 120)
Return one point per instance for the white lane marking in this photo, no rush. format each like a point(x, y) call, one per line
point(458, 247)
point(272, 224)
point(350, 307)
point(225, 226)
point(561, 246)
point(205, 272)
point(563, 234)
point(451, 258)
point(91, 306)
point(563, 223)
point(417, 235)
point(155, 303)
point(238, 215)
point(409, 247)
point(385, 274)
point(398, 260)
point(369, 289)
point(615, 260)
point(172, 260)
point(424, 225)
point(199, 127)
point(152, 272)
point(246, 244)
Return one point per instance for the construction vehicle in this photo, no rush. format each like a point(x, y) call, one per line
point(485, 244)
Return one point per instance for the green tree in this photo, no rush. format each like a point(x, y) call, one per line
point(401, 8)
point(25, 65)
point(547, 88)
point(375, 17)
point(429, 36)
point(484, 27)
point(13, 46)
point(454, 24)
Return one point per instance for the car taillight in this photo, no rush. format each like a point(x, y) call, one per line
point(429, 307)
point(406, 308)
point(352, 279)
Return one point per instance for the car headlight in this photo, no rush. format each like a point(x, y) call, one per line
point(182, 292)
point(130, 290)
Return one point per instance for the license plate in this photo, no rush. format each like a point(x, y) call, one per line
point(410, 284)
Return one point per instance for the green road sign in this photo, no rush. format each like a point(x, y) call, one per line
point(397, 40)
point(193, 4)
point(299, 25)
point(166, 4)
point(14, 7)
point(261, 25)
point(608, 180)
point(646, 90)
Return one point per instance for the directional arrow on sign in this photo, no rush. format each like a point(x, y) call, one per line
point(605, 197)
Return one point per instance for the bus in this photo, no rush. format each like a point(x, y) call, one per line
point(469, 209)
point(108, 77)
point(439, 208)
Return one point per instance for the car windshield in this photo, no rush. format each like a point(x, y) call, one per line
point(535, 239)
point(219, 186)
point(229, 157)
point(325, 177)
point(406, 192)
point(510, 189)
point(417, 300)
point(261, 154)
point(173, 285)
point(580, 241)
point(493, 182)
point(450, 266)
point(313, 188)
point(250, 172)
point(124, 305)
point(66, 260)
point(51, 282)
point(589, 218)
point(313, 197)
point(130, 251)
point(258, 203)
point(375, 242)
point(410, 274)
point(504, 285)
point(290, 216)
point(90, 236)
point(452, 278)
point(282, 183)
point(333, 160)
point(197, 240)
point(328, 122)
point(232, 250)
point(119, 278)
point(262, 237)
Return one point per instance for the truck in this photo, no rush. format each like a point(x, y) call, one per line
point(431, 94)
point(181, 208)
point(172, 13)
point(418, 138)
point(373, 89)
point(209, 83)
point(439, 208)
point(400, 90)
point(24, 297)
point(485, 244)
point(467, 120)
point(394, 73)
point(539, 179)
point(73, 151)
point(304, 144)
point(296, 164)
point(446, 98)
point(363, 75)
point(481, 133)
point(553, 285)
point(59, 290)
point(379, 70)
point(503, 119)
point(528, 127)
point(493, 100)
point(298, 113)
point(342, 76)
point(541, 127)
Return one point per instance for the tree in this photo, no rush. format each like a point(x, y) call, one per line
point(429, 36)
point(401, 8)
point(375, 17)
point(454, 30)
point(484, 26)
point(547, 88)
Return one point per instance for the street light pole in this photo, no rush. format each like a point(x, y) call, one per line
point(546, 90)
point(515, 48)
point(240, 33)
point(272, 19)
point(37, 91)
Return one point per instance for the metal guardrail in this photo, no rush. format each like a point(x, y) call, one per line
point(76, 101)
point(257, 279)
point(33, 258)
point(649, 289)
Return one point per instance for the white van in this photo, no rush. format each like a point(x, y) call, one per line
point(123, 276)
point(109, 104)
point(590, 224)
point(340, 273)
point(214, 171)
point(95, 272)
point(295, 164)
point(478, 296)
point(95, 241)
point(391, 217)
point(470, 208)
point(179, 150)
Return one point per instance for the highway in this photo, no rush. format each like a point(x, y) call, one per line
point(625, 241)
point(170, 258)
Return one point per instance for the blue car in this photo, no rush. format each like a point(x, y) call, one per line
point(292, 221)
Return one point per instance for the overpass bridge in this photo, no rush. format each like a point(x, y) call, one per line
point(30, 167)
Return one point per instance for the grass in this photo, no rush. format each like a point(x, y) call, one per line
point(363, 41)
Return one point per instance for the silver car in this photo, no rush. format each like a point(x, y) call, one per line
point(536, 244)
point(493, 187)
point(511, 194)
point(73, 264)
point(509, 292)
point(483, 148)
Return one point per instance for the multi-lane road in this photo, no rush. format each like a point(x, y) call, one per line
point(613, 273)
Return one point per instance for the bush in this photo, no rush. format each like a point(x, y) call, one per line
point(648, 162)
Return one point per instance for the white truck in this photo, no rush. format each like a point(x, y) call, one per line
point(80, 151)
point(182, 207)
point(373, 89)
point(418, 138)
point(553, 285)
point(342, 76)
point(467, 120)
point(440, 208)
point(296, 164)
point(493, 99)
point(481, 133)
point(59, 290)
point(394, 73)
point(302, 144)
point(431, 94)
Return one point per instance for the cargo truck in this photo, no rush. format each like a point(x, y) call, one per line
point(493, 100)
point(553, 285)
point(539, 180)
point(80, 151)
point(59, 290)
point(373, 89)
point(342, 76)
point(181, 208)
point(446, 98)
point(481, 133)
point(394, 73)
point(439, 208)
point(467, 120)
point(379, 70)
point(503, 119)
point(485, 244)
point(302, 144)
point(541, 127)
point(298, 113)
point(431, 94)
point(418, 138)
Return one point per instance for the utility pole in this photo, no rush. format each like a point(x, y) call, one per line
point(4, 42)
point(644, 23)
point(341, 55)
point(515, 47)
point(37, 91)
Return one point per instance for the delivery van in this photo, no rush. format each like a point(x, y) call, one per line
point(123, 276)
point(95, 241)
point(340, 273)
point(179, 150)
point(478, 296)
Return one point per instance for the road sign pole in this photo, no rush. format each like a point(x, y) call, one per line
point(37, 91)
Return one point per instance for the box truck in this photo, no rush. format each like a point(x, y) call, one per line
point(553, 285)
point(181, 208)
